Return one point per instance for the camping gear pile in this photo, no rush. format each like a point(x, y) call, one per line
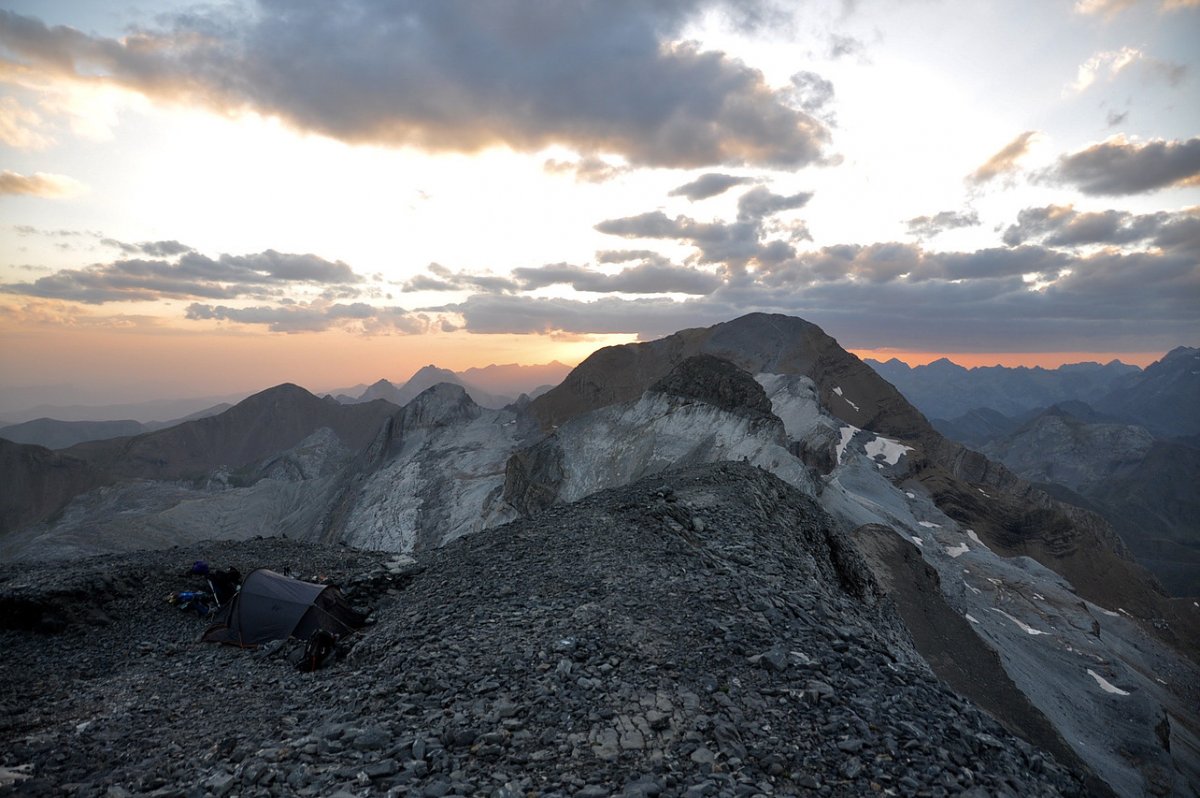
point(273, 607)
point(315, 620)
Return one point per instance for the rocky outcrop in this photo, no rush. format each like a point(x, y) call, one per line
point(718, 382)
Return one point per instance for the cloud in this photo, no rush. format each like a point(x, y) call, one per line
point(1005, 161)
point(19, 126)
point(593, 75)
point(446, 280)
point(811, 92)
point(1111, 8)
point(1063, 226)
point(646, 278)
point(649, 317)
point(841, 46)
point(589, 169)
point(1113, 62)
point(716, 242)
point(910, 298)
point(760, 202)
point(1119, 166)
point(708, 185)
point(626, 255)
point(39, 184)
point(930, 226)
point(654, 275)
point(732, 244)
point(193, 275)
point(155, 249)
point(317, 317)
point(1107, 8)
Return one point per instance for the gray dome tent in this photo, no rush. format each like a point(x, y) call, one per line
point(271, 606)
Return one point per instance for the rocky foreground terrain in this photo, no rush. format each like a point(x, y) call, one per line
point(706, 631)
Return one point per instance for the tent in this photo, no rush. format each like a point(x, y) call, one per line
point(271, 606)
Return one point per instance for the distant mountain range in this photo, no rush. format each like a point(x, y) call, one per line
point(1124, 443)
point(491, 386)
point(943, 389)
point(56, 434)
point(974, 405)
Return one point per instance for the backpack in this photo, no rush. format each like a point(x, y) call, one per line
point(318, 651)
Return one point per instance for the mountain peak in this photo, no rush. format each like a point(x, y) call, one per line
point(434, 372)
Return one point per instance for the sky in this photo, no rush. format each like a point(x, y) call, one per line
point(212, 198)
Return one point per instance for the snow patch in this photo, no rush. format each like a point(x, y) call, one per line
point(1110, 613)
point(971, 534)
point(917, 540)
point(910, 495)
point(1105, 684)
point(838, 391)
point(890, 450)
point(847, 432)
point(958, 551)
point(971, 618)
point(1026, 628)
point(929, 525)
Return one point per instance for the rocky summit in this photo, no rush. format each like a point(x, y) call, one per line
point(707, 631)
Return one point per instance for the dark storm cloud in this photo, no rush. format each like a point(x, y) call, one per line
point(930, 226)
point(709, 185)
point(1003, 162)
point(1063, 226)
point(1118, 167)
point(193, 275)
point(297, 318)
point(596, 75)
